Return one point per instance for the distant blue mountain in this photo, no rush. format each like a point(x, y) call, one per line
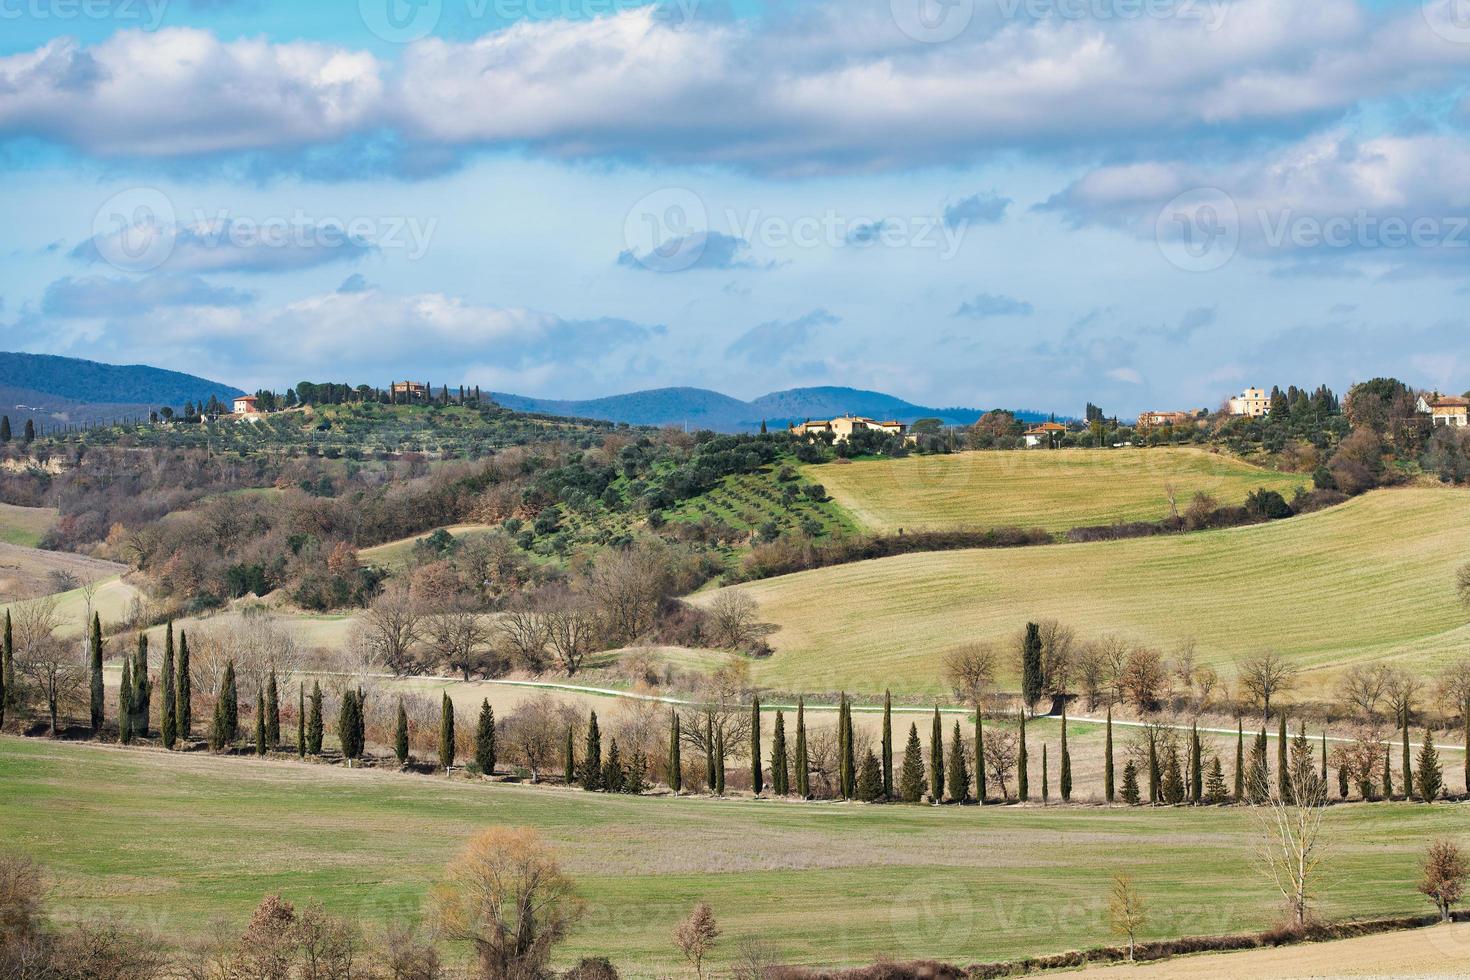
point(700, 408)
point(93, 383)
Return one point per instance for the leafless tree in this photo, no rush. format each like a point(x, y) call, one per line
point(89, 594)
point(1111, 655)
point(1462, 583)
point(628, 586)
point(1001, 746)
point(1291, 845)
point(1266, 676)
point(1362, 688)
point(62, 580)
point(34, 622)
point(697, 935)
point(1144, 677)
point(1127, 912)
point(1362, 758)
point(726, 692)
point(1443, 880)
point(970, 672)
point(1058, 656)
point(1401, 690)
point(457, 636)
point(734, 616)
point(522, 631)
point(55, 669)
point(1452, 688)
point(392, 624)
point(570, 625)
point(535, 733)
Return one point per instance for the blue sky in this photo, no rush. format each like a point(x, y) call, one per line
point(1031, 203)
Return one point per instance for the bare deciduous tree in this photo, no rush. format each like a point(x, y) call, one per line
point(1291, 846)
point(697, 935)
point(970, 672)
point(734, 619)
point(1143, 677)
point(1265, 676)
point(629, 585)
point(570, 625)
point(56, 670)
point(522, 630)
point(1058, 656)
point(457, 636)
point(1127, 913)
point(392, 625)
point(1444, 874)
point(1362, 689)
point(535, 733)
point(1000, 750)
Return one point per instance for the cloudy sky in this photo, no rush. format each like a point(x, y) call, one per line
point(1029, 203)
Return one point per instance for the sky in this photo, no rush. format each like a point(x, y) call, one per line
point(1145, 204)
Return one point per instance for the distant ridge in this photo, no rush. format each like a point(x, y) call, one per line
point(58, 391)
point(701, 408)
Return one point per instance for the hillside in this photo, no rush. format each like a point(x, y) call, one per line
point(702, 408)
point(94, 383)
point(1055, 491)
point(1371, 578)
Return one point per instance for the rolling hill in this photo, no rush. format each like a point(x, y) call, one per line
point(702, 408)
point(58, 391)
point(1372, 578)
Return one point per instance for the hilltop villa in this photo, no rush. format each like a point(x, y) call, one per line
point(1253, 402)
point(843, 427)
point(1445, 409)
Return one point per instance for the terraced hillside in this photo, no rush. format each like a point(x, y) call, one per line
point(1374, 577)
point(1051, 490)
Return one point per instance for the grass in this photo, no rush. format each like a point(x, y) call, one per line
point(1372, 578)
point(394, 555)
point(25, 526)
point(820, 883)
point(1054, 491)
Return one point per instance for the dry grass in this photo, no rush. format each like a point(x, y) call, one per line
point(395, 554)
point(1373, 578)
point(28, 572)
point(24, 526)
point(1027, 488)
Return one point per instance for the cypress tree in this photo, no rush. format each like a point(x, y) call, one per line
point(30, 431)
point(887, 759)
point(709, 750)
point(1430, 776)
point(569, 759)
point(979, 759)
point(780, 781)
point(168, 722)
point(1283, 776)
point(314, 727)
point(720, 762)
point(870, 779)
point(1066, 776)
point(446, 734)
point(842, 756)
point(184, 693)
point(958, 778)
point(1173, 778)
point(612, 769)
point(1215, 788)
point(4, 429)
point(1324, 757)
point(1258, 777)
point(142, 688)
point(1465, 718)
point(592, 755)
point(1032, 680)
point(1342, 782)
point(230, 695)
point(1239, 760)
point(757, 779)
point(1154, 776)
point(1407, 770)
point(911, 777)
point(936, 760)
point(124, 702)
point(349, 726)
point(7, 664)
point(259, 722)
point(300, 721)
point(1023, 781)
point(803, 764)
point(1108, 787)
point(1045, 777)
point(1387, 775)
point(676, 762)
point(1196, 766)
point(484, 739)
point(850, 750)
point(1130, 784)
point(98, 692)
point(272, 712)
point(219, 735)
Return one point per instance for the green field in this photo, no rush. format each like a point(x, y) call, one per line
point(172, 840)
point(1371, 578)
point(25, 525)
point(1054, 491)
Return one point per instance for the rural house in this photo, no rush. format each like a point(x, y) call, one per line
point(408, 391)
point(1045, 434)
point(1445, 409)
point(843, 427)
point(1148, 420)
point(1253, 402)
point(246, 407)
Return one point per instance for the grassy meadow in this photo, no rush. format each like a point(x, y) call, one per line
point(24, 526)
point(1054, 491)
point(175, 840)
point(1372, 578)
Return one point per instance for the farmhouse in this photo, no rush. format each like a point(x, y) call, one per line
point(1044, 434)
point(246, 405)
point(1449, 410)
point(1252, 403)
point(844, 426)
point(408, 391)
point(1148, 420)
